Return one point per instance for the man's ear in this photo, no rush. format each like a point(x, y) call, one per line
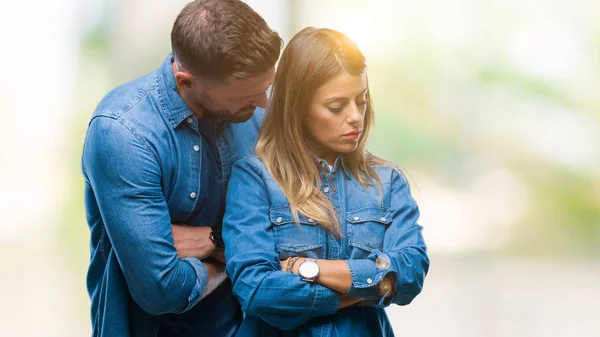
point(184, 79)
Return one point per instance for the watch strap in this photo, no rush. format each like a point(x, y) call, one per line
point(217, 236)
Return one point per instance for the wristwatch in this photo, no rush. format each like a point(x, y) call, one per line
point(212, 238)
point(309, 270)
point(217, 238)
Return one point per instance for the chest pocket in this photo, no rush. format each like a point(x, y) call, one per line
point(366, 227)
point(295, 237)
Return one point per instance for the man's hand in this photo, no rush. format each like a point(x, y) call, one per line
point(216, 275)
point(192, 241)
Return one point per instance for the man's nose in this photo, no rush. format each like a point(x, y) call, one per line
point(261, 101)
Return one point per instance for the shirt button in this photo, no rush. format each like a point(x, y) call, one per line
point(190, 120)
point(356, 218)
point(326, 189)
point(311, 220)
point(385, 287)
point(369, 281)
point(334, 190)
point(279, 219)
point(383, 262)
point(196, 148)
point(193, 195)
point(383, 219)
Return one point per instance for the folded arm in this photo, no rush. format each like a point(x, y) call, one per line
point(279, 298)
point(395, 274)
point(126, 181)
point(196, 242)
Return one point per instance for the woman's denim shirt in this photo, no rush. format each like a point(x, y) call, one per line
point(377, 226)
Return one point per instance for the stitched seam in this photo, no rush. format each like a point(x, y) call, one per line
point(363, 207)
point(101, 244)
point(317, 290)
point(139, 138)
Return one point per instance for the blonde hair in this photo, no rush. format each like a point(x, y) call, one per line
point(312, 58)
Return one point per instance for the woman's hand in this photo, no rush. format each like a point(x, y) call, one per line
point(288, 264)
point(333, 274)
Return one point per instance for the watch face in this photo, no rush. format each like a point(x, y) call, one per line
point(309, 269)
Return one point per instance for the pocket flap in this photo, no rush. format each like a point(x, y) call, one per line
point(282, 216)
point(376, 214)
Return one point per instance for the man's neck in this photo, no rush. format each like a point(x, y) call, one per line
point(197, 111)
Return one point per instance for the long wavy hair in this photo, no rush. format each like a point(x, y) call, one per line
point(312, 58)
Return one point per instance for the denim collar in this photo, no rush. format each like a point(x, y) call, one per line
point(174, 107)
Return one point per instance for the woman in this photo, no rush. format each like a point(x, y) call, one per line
point(321, 235)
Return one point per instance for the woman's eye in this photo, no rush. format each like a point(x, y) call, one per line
point(335, 109)
point(361, 103)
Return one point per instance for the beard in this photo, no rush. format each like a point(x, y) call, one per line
point(238, 116)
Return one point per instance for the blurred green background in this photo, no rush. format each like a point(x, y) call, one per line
point(491, 107)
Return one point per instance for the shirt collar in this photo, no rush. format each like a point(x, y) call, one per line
point(175, 108)
point(338, 163)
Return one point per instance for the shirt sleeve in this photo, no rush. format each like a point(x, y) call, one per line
point(396, 274)
point(126, 181)
point(281, 299)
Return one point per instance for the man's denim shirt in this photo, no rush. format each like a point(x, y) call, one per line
point(142, 164)
point(380, 237)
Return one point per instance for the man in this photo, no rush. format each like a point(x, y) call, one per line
point(158, 152)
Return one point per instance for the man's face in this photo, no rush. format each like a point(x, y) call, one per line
point(232, 101)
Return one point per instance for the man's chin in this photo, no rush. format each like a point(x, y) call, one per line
point(240, 117)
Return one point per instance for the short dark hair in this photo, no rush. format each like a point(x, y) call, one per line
point(220, 39)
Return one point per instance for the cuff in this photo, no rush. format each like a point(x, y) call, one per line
point(201, 282)
point(326, 302)
point(367, 275)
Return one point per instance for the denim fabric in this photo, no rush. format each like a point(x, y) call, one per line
point(142, 164)
point(259, 232)
point(210, 206)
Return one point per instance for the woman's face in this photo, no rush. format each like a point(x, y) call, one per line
point(335, 116)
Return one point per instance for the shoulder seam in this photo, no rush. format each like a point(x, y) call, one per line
point(139, 138)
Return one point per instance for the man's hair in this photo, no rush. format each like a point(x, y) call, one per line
point(223, 39)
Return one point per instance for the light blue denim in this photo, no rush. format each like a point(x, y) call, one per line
point(142, 162)
point(259, 231)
